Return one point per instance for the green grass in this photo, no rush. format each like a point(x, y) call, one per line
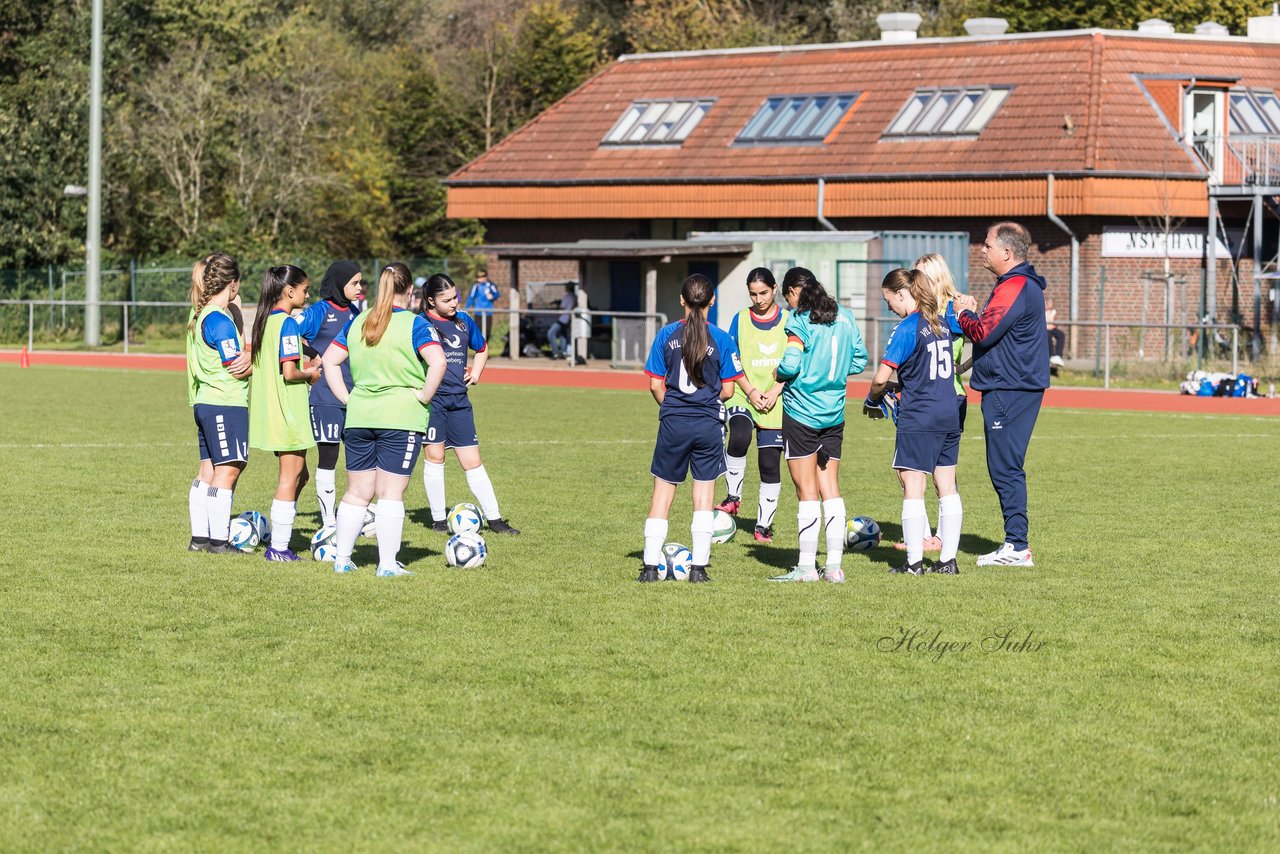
point(151, 699)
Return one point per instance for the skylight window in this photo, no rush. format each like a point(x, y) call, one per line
point(796, 118)
point(947, 112)
point(1254, 112)
point(658, 122)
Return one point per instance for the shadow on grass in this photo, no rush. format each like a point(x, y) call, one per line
point(890, 533)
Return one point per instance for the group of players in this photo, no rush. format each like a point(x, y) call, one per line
point(803, 359)
point(332, 376)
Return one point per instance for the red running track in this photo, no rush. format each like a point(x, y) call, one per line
point(499, 374)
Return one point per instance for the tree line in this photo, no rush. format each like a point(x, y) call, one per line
point(278, 127)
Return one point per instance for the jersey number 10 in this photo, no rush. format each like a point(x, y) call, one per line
point(940, 363)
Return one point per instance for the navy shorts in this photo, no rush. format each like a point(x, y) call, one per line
point(452, 422)
point(688, 443)
point(223, 433)
point(926, 451)
point(391, 451)
point(801, 440)
point(766, 437)
point(327, 423)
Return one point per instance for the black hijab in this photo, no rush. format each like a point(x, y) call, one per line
point(335, 280)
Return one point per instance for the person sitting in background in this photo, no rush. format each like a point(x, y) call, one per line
point(1057, 338)
point(557, 336)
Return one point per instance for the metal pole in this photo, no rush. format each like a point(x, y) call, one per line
point(93, 247)
point(50, 297)
point(126, 327)
point(31, 324)
point(64, 299)
point(1235, 349)
point(1257, 274)
point(1106, 378)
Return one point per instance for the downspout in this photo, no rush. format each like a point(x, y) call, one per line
point(822, 196)
point(1075, 264)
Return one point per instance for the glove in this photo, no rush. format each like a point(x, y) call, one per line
point(885, 407)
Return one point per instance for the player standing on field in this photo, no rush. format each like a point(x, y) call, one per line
point(218, 391)
point(760, 336)
point(279, 411)
point(928, 441)
point(824, 348)
point(453, 421)
point(692, 367)
point(396, 365)
point(341, 286)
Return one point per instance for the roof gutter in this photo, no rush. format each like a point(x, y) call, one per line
point(822, 196)
point(1075, 261)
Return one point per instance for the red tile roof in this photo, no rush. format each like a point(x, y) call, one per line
point(1093, 77)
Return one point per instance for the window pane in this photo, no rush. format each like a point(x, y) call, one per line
point(650, 115)
point(782, 117)
point(691, 120)
point(834, 112)
point(624, 124)
point(913, 108)
point(762, 115)
point(933, 113)
point(962, 110)
point(808, 113)
point(985, 110)
point(662, 129)
point(1246, 114)
point(1271, 106)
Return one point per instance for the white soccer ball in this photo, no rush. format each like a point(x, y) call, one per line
point(862, 534)
point(325, 552)
point(261, 524)
point(676, 561)
point(244, 535)
point(370, 528)
point(324, 541)
point(465, 519)
point(466, 550)
point(723, 526)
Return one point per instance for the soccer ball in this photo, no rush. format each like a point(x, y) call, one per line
point(261, 524)
point(322, 544)
point(723, 527)
point(465, 519)
point(370, 529)
point(466, 550)
point(862, 534)
point(244, 535)
point(676, 560)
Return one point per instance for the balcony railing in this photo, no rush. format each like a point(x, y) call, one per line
point(1246, 160)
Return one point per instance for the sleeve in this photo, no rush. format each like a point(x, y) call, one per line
point(656, 364)
point(219, 333)
point(858, 351)
point(341, 338)
point(424, 334)
point(311, 320)
point(471, 297)
point(475, 337)
point(730, 361)
point(290, 341)
point(998, 315)
point(902, 342)
point(953, 322)
point(492, 292)
point(733, 330)
point(798, 335)
point(796, 328)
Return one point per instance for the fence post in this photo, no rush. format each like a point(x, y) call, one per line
point(126, 327)
point(51, 298)
point(31, 324)
point(1106, 378)
point(1235, 349)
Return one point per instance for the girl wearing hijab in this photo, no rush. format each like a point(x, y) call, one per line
point(340, 290)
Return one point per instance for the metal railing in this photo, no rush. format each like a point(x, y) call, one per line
point(630, 331)
point(124, 305)
point(1259, 158)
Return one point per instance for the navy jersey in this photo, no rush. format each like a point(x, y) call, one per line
point(666, 361)
point(321, 323)
point(456, 340)
point(926, 370)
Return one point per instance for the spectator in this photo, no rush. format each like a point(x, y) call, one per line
point(1011, 370)
point(557, 337)
point(1057, 338)
point(480, 300)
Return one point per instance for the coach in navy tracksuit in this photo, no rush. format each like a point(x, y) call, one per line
point(1011, 369)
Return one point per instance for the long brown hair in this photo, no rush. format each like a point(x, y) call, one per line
point(273, 285)
point(215, 273)
point(921, 288)
point(813, 298)
point(394, 280)
point(696, 292)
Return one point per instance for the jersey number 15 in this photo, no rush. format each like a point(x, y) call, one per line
point(940, 361)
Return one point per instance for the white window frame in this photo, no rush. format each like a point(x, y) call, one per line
point(669, 122)
point(1208, 145)
point(1255, 98)
point(923, 117)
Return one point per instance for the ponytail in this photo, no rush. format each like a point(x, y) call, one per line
point(813, 298)
point(935, 267)
point(210, 277)
point(394, 280)
point(921, 288)
point(696, 292)
point(273, 285)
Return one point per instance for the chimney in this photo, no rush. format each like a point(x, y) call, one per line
point(1266, 28)
point(898, 26)
point(1211, 28)
point(1155, 26)
point(986, 26)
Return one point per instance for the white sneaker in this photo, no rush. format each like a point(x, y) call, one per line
point(799, 574)
point(1007, 555)
point(392, 571)
point(834, 574)
point(1056, 361)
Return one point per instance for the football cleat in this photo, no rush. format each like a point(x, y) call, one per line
point(798, 574)
point(731, 504)
point(343, 567)
point(198, 544)
point(917, 568)
point(946, 567)
point(222, 547)
point(834, 574)
point(440, 525)
point(698, 574)
point(280, 555)
point(392, 571)
point(764, 534)
point(649, 573)
point(501, 526)
point(1007, 555)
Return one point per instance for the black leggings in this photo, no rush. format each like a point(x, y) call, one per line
point(328, 455)
point(1057, 342)
point(740, 431)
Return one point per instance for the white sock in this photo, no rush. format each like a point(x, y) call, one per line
point(482, 489)
point(655, 537)
point(809, 522)
point(433, 480)
point(700, 530)
point(950, 517)
point(282, 515)
point(218, 501)
point(198, 507)
point(736, 470)
point(915, 523)
point(350, 521)
point(768, 503)
point(389, 523)
point(833, 510)
point(326, 495)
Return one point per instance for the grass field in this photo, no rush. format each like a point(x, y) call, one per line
point(153, 699)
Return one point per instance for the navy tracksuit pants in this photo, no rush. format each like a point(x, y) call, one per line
point(1008, 417)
